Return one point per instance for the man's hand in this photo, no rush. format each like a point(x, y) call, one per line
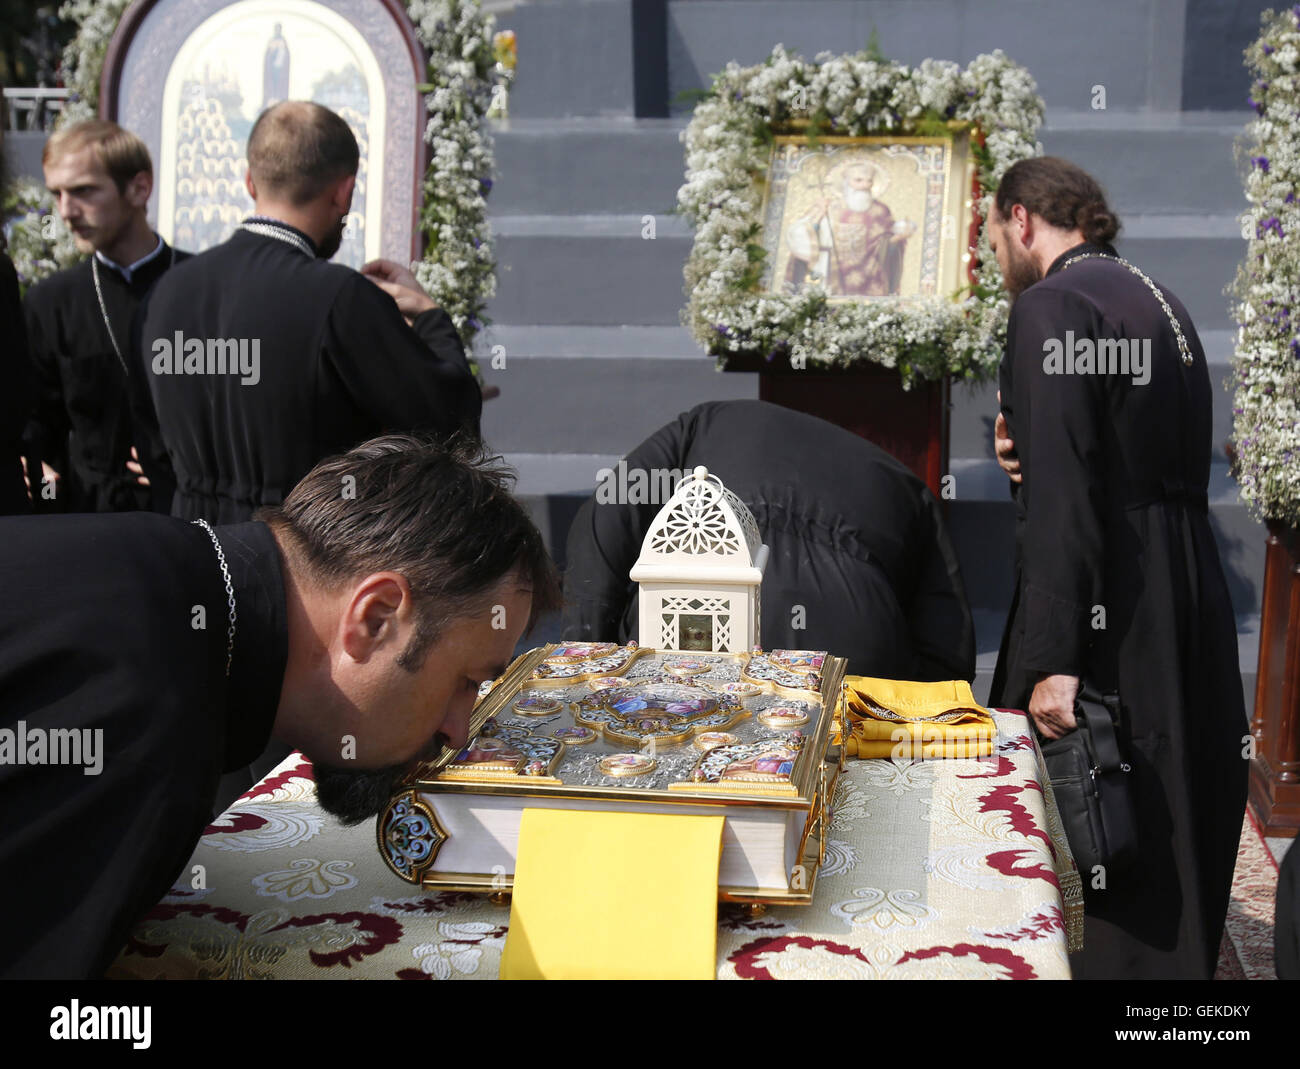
point(1052, 705)
point(133, 466)
point(398, 282)
point(1005, 448)
point(48, 475)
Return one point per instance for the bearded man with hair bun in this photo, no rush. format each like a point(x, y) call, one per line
point(1104, 432)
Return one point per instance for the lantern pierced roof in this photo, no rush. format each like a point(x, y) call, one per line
point(703, 522)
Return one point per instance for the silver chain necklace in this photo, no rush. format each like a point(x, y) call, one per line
point(230, 593)
point(103, 308)
point(1173, 319)
point(270, 230)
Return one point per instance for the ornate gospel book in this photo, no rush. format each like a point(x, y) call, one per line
point(596, 725)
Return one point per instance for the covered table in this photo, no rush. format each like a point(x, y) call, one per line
point(937, 868)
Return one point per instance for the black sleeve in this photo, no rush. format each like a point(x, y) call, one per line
point(145, 432)
point(939, 617)
point(406, 378)
point(48, 424)
point(1058, 436)
point(606, 536)
point(19, 393)
point(17, 397)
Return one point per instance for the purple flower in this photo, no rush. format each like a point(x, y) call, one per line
point(473, 322)
point(1259, 108)
point(1290, 198)
point(1271, 223)
point(1268, 50)
point(1261, 162)
point(486, 183)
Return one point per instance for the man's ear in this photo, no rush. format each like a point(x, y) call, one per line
point(138, 189)
point(378, 611)
point(1023, 224)
point(341, 199)
point(248, 184)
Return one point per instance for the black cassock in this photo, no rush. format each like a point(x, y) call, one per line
point(114, 646)
point(83, 424)
point(16, 398)
point(1112, 519)
point(860, 562)
point(330, 363)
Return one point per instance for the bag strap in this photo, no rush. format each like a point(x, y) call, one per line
point(1097, 721)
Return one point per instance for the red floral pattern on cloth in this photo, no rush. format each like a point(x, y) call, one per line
point(299, 769)
point(239, 944)
point(1043, 924)
point(1016, 967)
point(940, 868)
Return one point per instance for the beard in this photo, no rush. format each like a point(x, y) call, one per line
point(1022, 272)
point(333, 240)
point(857, 200)
point(352, 795)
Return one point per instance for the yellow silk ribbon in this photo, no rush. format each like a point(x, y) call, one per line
point(901, 719)
point(594, 890)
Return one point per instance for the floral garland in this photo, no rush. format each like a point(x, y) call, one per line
point(1266, 408)
point(728, 145)
point(458, 268)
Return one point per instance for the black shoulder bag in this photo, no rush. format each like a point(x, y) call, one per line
point(1093, 785)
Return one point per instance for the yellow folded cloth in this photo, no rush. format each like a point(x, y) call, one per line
point(613, 896)
point(901, 719)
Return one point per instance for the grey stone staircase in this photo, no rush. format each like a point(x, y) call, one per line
point(587, 310)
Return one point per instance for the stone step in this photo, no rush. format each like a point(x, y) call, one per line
point(585, 377)
point(1141, 64)
point(1148, 164)
point(1155, 164)
point(598, 269)
point(637, 56)
point(587, 166)
point(594, 389)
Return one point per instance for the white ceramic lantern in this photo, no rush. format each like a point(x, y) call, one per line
point(700, 571)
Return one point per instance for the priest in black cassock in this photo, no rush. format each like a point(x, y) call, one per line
point(1105, 430)
point(261, 357)
point(141, 655)
point(80, 324)
point(860, 562)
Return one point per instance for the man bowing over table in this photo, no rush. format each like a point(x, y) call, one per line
point(261, 357)
point(1105, 432)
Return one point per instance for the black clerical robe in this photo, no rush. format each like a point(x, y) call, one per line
point(115, 647)
point(16, 397)
point(860, 563)
point(1119, 582)
point(262, 359)
point(82, 424)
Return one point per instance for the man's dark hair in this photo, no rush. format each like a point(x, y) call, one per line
point(298, 148)
point(1064, 195)
point(442, 516)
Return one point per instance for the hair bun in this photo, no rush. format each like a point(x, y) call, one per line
point(1098, 223)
